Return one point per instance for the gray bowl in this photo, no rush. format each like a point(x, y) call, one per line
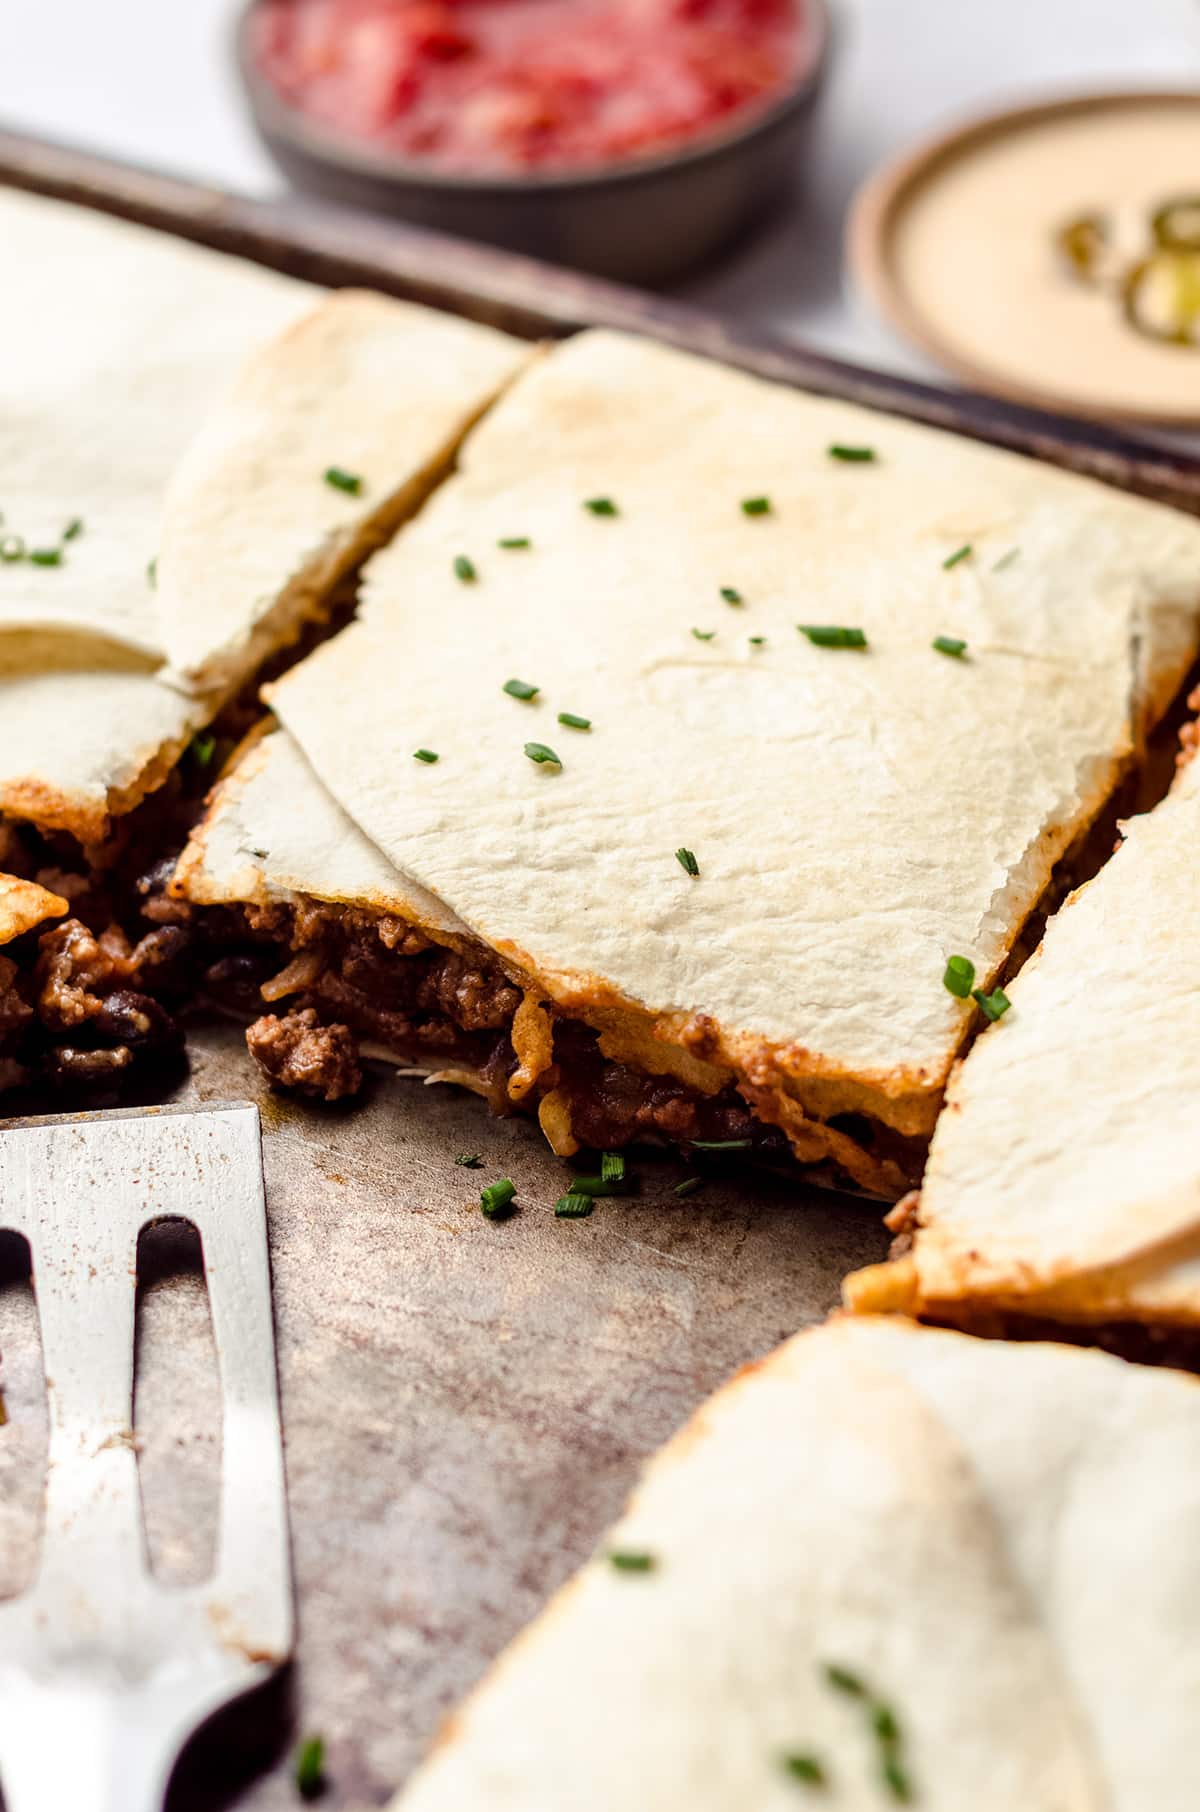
point(647, 221)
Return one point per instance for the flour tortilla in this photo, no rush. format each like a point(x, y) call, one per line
point(254, 539)
point(24, 906)
point(1001, 1540)
point(1064, 1178)
point(857, 817)
point(119, 342)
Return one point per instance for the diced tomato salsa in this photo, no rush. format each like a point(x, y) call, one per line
point(505, 86)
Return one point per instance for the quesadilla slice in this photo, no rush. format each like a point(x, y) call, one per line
point(881, 1566)
point(1064, 1178)
point(726, 715)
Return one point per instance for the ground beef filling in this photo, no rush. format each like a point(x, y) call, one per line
point(338, 977)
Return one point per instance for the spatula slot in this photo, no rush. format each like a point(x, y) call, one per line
point(23, 1420)
point(177, 1404)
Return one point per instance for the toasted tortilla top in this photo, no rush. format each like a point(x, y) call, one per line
point(857, 816)
point(24, 906)
point(1065, 1172)
point(380, 391)
point(120, 339)
point(951, 1520)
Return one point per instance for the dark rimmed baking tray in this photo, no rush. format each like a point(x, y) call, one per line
point(465, 1404)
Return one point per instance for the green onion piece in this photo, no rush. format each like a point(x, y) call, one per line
point(542, 754)
point(993, 1006)
point(519, 688)
point(574, 1206)
point(574, 723)
point(896, 1780)
point(1006, 559)
point(720, 1144)
point(632, 1560)
point(805, 1768)
point(464, 569)
point(612, 1166)
point(73, 528)
point(152, 572)
point(687, 862)
point(832, 635)
point(758, 641)
point(851, 456)
point(203, 748)
point(428, 756)
point(512, 541)
point(950, 644)
point(46, 556)
point(756, 506)
point(12, 547)
point(496, 1199)
point(341, 480)
point(843, 1680)
point(601, 506)
point(886, 1725)
point(958, 556)
point(959, 978)
point(310, 1768)
point(704, 635)
point(731, 596)
point(470, 1160)
point(689, 1185)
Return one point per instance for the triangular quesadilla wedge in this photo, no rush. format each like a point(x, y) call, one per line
point(884, 1565)
point(715, 837)
point(335, 432)
point(1064, 1177)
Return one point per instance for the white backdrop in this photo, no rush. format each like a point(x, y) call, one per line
point(151, 81)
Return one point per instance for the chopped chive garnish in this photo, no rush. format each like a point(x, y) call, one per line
point(832, 635)
point(310, 1768)
point(958, 556)
point(46, 556)
point(731, 596)
point(152, 572)
point(959, 978)
point(596, 1186)
point(950, 644)
point(805, 1768)
point(993, 1006)
point(12, 548)
point(519, 688)
point(574, 723)
point(464, 569)
point(756, 506)
point(496, 1199)
point(574, 1205)
point(542, 754)
point(689, 1185)
point(601, 506)
point(687, 862)
point(511, 541)
point(758, 641)
point(851, 456)
point(73, 528)
point(470, 1160)
point(885, 1725)
point(632, 1560)
point(341, 480)
point(720, 1144)
point(612, 1166)
point(704, 635)
point(203, 748)
point(843, 1680)
point(896, 1780)
point(1006, 559)
point(428, 756)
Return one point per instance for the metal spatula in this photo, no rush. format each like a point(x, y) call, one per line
point(104, 1672)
